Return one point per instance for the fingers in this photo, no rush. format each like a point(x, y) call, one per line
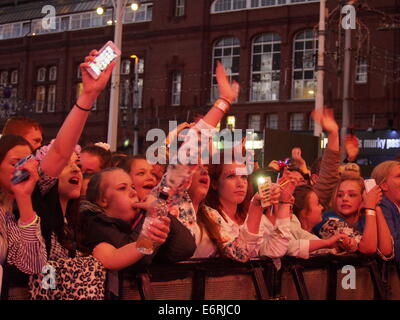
point(89, 59)
point(109, 69)
point(31, 166)
point(158, 230)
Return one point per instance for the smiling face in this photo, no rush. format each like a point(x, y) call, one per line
point(348, 198)
point(143, 177)
point(70, 179)
point(118, 195)
point(232, 188)
point(7, 166)
point(200, 184)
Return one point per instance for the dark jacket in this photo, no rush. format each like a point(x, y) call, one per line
point(97, 227)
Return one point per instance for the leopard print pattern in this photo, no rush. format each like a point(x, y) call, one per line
point(80, 278)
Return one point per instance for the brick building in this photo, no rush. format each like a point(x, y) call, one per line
point(269, 47)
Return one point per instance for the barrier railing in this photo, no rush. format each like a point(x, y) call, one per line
point(350, 277)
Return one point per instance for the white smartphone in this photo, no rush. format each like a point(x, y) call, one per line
point(106, 55)
point(264, 189)
point(369, 184)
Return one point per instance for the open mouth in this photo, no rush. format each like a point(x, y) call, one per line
point(149, 186)
point(74, 181)
point(203, 181)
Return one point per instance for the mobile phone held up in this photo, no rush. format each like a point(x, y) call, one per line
point(21, 175)
point(106, 55)
point(369, 184)
point(264, 189)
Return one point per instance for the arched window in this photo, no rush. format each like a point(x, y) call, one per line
point(40, 98)
point(304, 58)
point(266, 65)
point(53, 73)
point(125, 67)
point(226, 50)
point(51, 98)
point(41, 75)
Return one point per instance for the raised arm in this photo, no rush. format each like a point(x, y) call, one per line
point(71, 130)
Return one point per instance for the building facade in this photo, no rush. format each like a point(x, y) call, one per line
point(268, 46)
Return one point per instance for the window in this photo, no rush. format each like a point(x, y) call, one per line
point(296, 122)
point(272, 121)
point(41, 75)
point(3, 77)
point(362, 70)
point(16, 30)
point(304, 58)
point(40, 98)
point(125, 93)
point(311, 123)
point(65, 23)
point(85, 20)
point(53, 73)
point(125, 67)
point(14, 77)
point(255, 122)
point(227, 50)
point(229, 5)
point(7, 31)
point(230, 122)
point(265, 72)
point(75, 21)
point(176, 88)
point(51, 98)
point(26, 28)
point(179, 8)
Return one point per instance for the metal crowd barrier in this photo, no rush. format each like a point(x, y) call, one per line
point(318, 278)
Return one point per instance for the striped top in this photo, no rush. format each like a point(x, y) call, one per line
point(26, 247)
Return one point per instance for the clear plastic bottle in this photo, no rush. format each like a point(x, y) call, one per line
point(158, 209)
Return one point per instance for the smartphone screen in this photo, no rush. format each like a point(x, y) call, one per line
point(106, 55)
point(101, 62)
point(369, 184)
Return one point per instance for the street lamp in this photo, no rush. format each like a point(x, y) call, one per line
point(119, 9)
point(135, 6)
point(100, 10)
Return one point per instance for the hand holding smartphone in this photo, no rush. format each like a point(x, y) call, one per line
point(21, 175)
point(107, 54)
point(264, 189)
point(369, 184)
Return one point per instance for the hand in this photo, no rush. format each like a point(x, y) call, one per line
point(336, 240)
point(175, 132)
point(372, 198)
point(91, 86)
point(287, 192)
point(298, 160)
point(26, 187)
point(275, 193)
point(351, 146)
point(326, 119)
point(158, 230)
point(227, 91)
point(349, 244)
point(274, 165)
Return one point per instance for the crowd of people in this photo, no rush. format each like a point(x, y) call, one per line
point(81, 211)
